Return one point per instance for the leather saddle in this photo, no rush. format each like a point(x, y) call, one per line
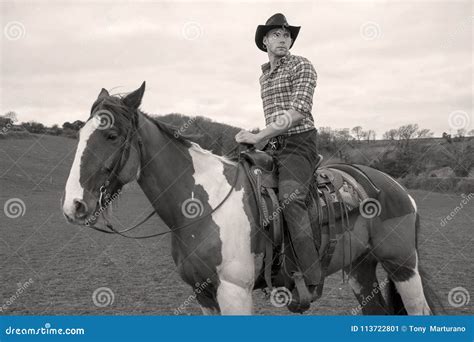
point(336, 190)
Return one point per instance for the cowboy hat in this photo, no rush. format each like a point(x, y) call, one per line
point(275, 21)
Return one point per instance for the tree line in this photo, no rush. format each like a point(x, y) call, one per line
point(408, 149)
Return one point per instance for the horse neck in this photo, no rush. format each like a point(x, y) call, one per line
point(169, 170)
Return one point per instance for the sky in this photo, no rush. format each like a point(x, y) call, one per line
point(380, 64)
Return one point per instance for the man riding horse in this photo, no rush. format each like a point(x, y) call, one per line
point(287, 87)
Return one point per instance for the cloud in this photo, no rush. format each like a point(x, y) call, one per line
point(200, 58)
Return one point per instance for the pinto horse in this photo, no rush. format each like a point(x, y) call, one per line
point(210, 196)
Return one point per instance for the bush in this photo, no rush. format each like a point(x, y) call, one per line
point(34, 127)
point(70, 133)
point(465, 186)
point(15, 135)
point(438, 184)
point(55, 130)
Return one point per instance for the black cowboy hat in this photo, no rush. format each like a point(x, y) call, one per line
point(275, 21)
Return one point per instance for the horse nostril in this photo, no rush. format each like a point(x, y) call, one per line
point(80, 208)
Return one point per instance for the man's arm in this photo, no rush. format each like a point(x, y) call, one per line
point(289, 119)
point(284, 122)
point(304, 84)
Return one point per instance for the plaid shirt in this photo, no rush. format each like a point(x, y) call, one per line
point(289, 86)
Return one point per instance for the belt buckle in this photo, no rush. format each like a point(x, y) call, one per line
point(276, 143)
point(273, 142)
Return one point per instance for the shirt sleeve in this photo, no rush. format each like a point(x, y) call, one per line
point(304, 83)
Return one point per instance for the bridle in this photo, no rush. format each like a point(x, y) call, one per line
point(113, 181)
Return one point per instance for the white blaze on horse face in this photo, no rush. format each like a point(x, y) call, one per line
point(74, 189)
point(237, 270)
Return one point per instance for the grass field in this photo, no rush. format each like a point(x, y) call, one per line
point(66, 264)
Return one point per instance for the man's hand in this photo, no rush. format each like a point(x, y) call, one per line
point(247, 137)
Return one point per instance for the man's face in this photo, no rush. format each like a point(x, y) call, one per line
point(278, 41)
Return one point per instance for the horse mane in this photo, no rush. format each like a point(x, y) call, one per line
point(207, 135)
point(169, 129)
point(201, 132)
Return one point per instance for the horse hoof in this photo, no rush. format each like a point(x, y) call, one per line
point(295, 306)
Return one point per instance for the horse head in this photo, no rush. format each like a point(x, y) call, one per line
point(107, 157)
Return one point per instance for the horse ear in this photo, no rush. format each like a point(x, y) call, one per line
point(134, 99)
point(103, 93)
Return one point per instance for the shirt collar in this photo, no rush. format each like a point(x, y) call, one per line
point(284, 59)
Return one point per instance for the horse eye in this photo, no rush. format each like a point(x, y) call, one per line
point(112, 136)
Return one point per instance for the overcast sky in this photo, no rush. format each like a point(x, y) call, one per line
point(380, 64)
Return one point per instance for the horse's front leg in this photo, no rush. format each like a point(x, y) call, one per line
point(234, 298)
point(236, 282)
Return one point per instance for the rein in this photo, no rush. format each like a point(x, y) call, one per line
point(105, 194)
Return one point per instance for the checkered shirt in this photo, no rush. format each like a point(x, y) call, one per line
point(289, 86)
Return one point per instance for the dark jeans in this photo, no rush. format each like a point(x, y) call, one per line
point(296, 161)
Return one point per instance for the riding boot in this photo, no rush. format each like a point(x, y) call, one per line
point(308, 260)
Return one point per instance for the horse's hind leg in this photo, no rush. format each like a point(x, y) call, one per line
point(409, 286)
point(395, 247)
point(365, 286)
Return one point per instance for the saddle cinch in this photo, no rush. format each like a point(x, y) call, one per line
point(336, 191)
